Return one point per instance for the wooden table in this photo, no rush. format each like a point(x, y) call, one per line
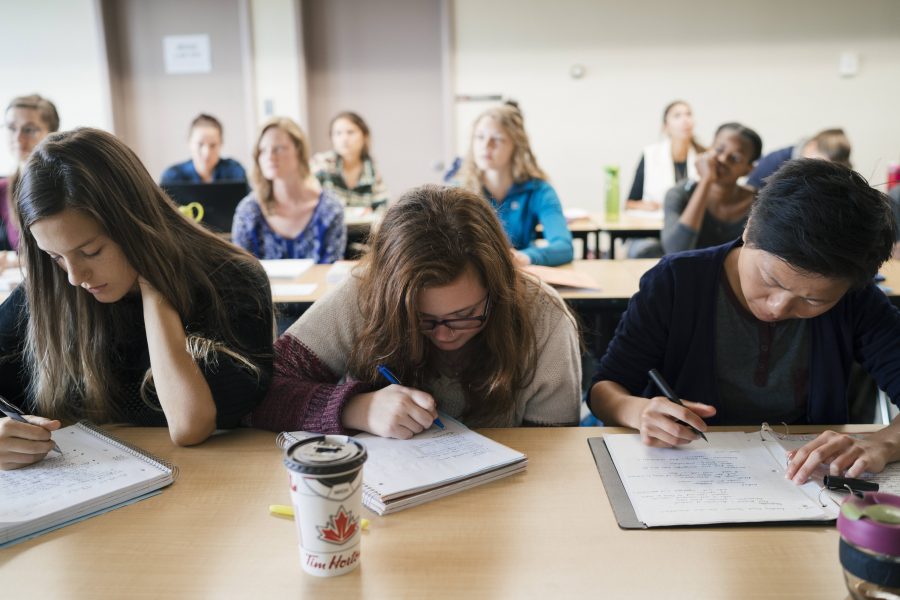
point(627, 226)
point(547, 533)
point(618, 281)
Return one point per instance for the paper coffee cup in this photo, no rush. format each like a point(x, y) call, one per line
point(326, 491)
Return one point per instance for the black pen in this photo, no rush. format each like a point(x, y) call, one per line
point(669, 393)
point(9, 409)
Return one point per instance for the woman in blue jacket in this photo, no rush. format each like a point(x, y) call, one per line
point(501, 167)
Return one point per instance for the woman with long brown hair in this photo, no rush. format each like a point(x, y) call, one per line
point(438, 301)
point(501, 167)
point(129, 311)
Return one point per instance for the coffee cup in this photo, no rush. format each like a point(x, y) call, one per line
point(326, 491)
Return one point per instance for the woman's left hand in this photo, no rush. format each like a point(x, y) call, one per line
point(843, 453)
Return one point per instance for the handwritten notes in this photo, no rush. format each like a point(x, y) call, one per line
point(430, 458)
point(92, 474)
point(734, 478)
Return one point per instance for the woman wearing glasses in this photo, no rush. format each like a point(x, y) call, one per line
point(439, 302)
point(28, 120)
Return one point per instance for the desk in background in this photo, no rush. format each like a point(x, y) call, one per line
point(546, 533)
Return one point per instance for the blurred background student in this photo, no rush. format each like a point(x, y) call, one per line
point(288, 214)
point(667, 162)
point(829, 144)
point(28, 120)
point(347, 171)
point(713, 210)
point(206, 163)
point(501, 167)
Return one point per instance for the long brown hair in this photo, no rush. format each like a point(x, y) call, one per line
point(428, 238)
point(261, 185)
point(524, 163)
point(69, 334)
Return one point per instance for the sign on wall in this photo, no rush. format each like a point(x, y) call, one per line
point(187, 54)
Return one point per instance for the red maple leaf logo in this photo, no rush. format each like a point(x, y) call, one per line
point(341, 527)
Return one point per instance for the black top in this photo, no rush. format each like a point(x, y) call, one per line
point(235, 389)
point(637, 187)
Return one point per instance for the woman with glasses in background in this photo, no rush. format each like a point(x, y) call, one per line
point(28, 120)
point(440, 303)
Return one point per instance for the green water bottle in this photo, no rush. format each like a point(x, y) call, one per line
point(612, 192)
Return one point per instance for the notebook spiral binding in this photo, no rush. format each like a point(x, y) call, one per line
point(131, 449)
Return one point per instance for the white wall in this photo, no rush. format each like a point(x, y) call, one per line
point(279, 66)
point(770, 64)
point(54, 48)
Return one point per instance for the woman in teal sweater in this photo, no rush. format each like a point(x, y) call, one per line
point(501, 167)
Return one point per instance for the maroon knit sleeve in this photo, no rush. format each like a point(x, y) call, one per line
point(305, 395)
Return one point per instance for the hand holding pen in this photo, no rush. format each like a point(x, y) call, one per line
point(669, 421)
point(24, 440)
point(386, 373)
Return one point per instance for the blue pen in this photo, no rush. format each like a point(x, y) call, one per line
point(386, 373)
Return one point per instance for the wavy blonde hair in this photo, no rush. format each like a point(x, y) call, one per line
point(524, 164)
point(428, 238)
point(263, 186)
point(69, 334)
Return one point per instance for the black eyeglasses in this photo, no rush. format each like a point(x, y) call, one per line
point(457, 324)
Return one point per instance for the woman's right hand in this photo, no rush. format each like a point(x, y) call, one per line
point(659, 424)
point(23, 444)
point(396, 411)
point(706, 165)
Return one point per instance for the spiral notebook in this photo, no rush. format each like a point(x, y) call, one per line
point(96, 473)
point(438, 462)
point(738, 477)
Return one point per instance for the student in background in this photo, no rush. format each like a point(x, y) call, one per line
point(347, 171)
point(765, 328)
point(714, 209)
point(28, 120)
point(206, 164)
point(129, 311)
point(501, 167)
point(288, 214)
point(667, 162)
point(829, 144)
point(438, 301)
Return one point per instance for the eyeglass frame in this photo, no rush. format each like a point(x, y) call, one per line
point(448, 323)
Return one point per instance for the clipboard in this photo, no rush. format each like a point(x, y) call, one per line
point(612, 483)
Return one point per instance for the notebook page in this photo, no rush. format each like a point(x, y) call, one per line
point(432, 457)
point(89, 469)
point(733, 479)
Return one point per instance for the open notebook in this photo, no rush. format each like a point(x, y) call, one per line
point(95, 473)
point(400, 474)
point(737, 478)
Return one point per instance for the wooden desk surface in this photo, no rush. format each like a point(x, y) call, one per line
point(618, 280)
point(628, 221)
point(545, 533)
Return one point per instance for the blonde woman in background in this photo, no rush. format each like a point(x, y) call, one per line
point(501, 167)
point(288, 214)
point(28, 120)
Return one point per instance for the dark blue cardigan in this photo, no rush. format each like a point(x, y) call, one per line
point(670, 324)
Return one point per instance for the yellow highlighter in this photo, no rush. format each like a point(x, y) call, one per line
point(283, 510)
